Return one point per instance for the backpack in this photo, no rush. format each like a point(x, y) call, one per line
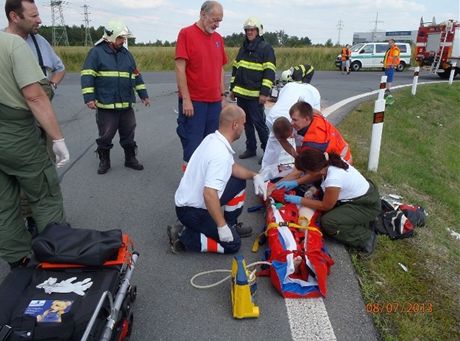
point(400, 221)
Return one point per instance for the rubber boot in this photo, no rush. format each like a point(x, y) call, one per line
point(130, 158)
point(104, 160)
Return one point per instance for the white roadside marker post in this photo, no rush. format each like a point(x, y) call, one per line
point(377, 127)
point(415, 81)
point(452, 73)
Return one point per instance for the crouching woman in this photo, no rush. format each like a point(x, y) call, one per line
point(350, 202)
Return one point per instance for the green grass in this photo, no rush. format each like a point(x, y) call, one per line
point(419, 160)
point(162, 58)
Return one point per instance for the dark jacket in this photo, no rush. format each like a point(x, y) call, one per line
point(110, 77)
point(254, 69)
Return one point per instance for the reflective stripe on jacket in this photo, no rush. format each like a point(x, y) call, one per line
point(323, 136)
point(253, 70)
point(391, 56)
point(110, 77)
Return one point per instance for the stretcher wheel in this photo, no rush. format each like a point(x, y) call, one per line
point(132, 292)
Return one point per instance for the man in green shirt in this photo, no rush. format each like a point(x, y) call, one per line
point(24, 162)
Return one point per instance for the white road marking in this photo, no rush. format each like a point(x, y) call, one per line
point(309, 320)
point(329, 110)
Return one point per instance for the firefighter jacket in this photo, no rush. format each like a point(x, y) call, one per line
point(110, 77)
point(346, 53)
point(254, 69)
point(323, 136)
point(391, 57)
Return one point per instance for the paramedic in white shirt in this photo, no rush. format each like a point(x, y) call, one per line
point(211, 180)
point(350, 203)
point(292, 92)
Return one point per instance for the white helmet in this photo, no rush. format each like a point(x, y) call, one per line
point(286, 76)
point(116, 28)
point(253, 22)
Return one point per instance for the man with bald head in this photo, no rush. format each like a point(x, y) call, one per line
point(200, 57)
point(211, 180)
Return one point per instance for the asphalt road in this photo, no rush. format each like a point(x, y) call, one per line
point(142, 204)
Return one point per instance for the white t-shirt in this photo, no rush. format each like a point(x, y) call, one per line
point(351, 183)
point(290, 94)
point(210, 166)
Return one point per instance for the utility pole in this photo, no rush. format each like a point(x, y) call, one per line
point(339, 28)
point(59, 33)
point(376, 22)
point(88, 40)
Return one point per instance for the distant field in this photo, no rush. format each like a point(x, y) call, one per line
point(162, 58)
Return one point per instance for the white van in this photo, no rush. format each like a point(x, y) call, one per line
point(370, 55)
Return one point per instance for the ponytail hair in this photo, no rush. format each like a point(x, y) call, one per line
point(312, 160)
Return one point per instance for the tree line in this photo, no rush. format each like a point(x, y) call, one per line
point(76, 37)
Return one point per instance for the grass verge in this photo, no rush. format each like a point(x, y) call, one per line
point(419, 160)
point(162, 58)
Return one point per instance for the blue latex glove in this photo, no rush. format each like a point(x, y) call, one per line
point(295, 199)
point(287, 184)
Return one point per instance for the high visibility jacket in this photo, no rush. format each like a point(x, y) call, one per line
point(301, 72)
point(391, 57)
point(253, 70)
point(323, 136)
point(346, 53)
point(110, 77)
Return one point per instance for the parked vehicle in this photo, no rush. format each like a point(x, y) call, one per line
point(370, 55)
point(438, 46)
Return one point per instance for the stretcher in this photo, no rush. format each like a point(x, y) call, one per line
point(55, 301)
point(296, 249)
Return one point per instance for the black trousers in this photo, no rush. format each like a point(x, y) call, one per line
point(255, 118)
point(109, 121)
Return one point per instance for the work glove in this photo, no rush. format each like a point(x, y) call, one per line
point(61, 152)
point(294, 199)
point(225, 234)
point(287, 184)
point(260, 187)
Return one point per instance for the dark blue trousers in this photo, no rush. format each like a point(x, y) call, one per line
point(255, 120)
point(200, 233)
point(192, 130)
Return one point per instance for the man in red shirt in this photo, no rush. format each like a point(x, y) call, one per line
point(200, 58)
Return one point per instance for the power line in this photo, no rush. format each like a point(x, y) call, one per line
point(59, 32)
point(339, 28)
point(88, 40)
point(376, 22)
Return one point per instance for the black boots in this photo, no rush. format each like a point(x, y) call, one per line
point(104, 163)
point(130, 158)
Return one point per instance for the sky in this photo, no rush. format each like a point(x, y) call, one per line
point(152, 20)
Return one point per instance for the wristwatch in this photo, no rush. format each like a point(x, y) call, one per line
point(54, 85)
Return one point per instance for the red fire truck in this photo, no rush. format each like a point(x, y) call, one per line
point(438, 46)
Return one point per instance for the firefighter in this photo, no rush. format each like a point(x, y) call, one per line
point(390, 63)
point(300, 73)
point(346, 55)
point(108, 79)
point(253, 75)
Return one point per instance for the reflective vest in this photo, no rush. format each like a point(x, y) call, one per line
point(391, 56)
point(110, 77)
point(346, 53)
point(323, 136)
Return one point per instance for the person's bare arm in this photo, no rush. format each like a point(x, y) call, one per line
point(57, 77)
point(212, 202)
point(240, 172)
point(181, 79)
point(42, 110)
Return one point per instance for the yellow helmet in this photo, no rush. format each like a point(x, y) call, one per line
point(253, 22)
point(116, 28)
